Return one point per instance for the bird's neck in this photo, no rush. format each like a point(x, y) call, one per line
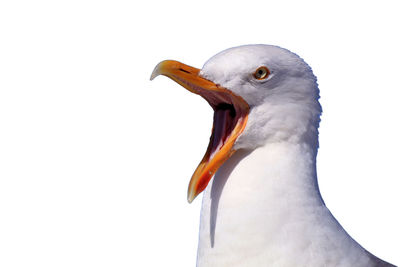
point(265, 203)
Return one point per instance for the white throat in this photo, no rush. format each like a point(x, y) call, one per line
point(263, 208)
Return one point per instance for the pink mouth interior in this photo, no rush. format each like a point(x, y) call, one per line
point(223, 125)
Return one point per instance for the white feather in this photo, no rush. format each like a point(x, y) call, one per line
point(263, 207)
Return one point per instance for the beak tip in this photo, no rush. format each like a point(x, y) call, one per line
point(154, 74)
point(191, 196)
point(157, 70)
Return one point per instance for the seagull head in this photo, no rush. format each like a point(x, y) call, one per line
point(259, 93)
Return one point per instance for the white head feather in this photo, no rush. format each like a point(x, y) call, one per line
point(283, 107)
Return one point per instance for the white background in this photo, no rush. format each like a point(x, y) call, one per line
point(95, 160)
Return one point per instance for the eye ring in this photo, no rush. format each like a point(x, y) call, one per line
point(261, 73)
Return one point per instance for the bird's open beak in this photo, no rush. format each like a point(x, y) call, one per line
point(230, 117)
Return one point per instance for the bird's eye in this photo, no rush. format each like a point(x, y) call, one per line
point(261, 73)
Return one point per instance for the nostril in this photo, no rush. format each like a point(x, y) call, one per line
point(184, 70)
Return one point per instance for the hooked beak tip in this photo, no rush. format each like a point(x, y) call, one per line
point(154, 74)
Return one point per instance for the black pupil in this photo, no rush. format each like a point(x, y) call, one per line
point(260, 72)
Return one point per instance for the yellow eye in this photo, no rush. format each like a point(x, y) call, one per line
point(261, 73)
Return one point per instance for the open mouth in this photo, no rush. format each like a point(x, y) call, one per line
point(230, 117)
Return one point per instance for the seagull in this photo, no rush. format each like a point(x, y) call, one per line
point(261, 203)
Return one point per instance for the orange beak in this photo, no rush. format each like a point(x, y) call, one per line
point(230, 117)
